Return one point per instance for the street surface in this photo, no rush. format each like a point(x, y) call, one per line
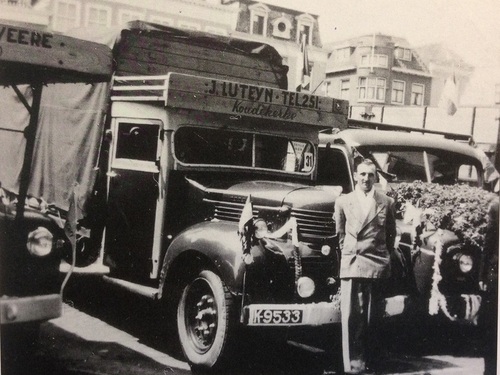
point(119, 333)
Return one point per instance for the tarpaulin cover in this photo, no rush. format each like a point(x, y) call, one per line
point(68, 137)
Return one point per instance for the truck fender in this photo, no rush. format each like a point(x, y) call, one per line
point(214, 245)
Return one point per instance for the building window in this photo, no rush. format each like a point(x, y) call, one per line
point(258, 24)
point(417, 94)
point(305, 26)
point(282, 27)
point(98, 16)
point(398, 92)
point(344, 88)
point(371, 88)
point(305, 32)
point(497, 93)
point(258, 19)
point(403, 53)
point(66, 15)
point(343, 54)
point(125, 16)
point(379, 61)
point(327, 89)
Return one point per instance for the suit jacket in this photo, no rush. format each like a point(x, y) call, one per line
point(488, 268)
point(365, 240)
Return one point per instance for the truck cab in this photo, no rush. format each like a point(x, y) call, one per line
point(210, 206)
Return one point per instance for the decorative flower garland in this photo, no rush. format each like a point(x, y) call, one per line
point(437, 300)
point(461, 209)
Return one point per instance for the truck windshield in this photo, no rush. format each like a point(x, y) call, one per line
point(202, 146)
point(412, 165)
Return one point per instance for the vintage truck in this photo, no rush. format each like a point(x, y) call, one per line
point(196, 169)
point(32, 238)
point(439, 272)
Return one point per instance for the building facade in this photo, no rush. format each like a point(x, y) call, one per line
point(202, 15)
point(283, 28)
point(22, 13)
point(377, 70)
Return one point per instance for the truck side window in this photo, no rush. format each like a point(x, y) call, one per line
point(207, 146)
point(137, 141)
point(333, 169)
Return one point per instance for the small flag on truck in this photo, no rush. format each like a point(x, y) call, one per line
point(245, 227)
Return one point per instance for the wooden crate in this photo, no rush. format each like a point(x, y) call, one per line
point(142, 52)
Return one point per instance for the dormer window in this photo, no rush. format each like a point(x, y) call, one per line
point(376, 60)
point(343, 54)
point(403, 53)
point(305, 26)
point(282, 27)
point(258, 19)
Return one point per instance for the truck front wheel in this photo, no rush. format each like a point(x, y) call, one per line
point(204, 320)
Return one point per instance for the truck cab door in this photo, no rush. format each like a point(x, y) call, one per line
point(135, 219)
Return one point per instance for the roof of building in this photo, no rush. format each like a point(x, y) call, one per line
point(414, 65)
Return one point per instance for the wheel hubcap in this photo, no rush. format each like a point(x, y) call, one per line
point(202, 317)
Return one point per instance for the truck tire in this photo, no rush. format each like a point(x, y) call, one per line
point(204, 321)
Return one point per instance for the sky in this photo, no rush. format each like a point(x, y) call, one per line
point(471, 28)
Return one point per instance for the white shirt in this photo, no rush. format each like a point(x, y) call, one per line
point(366, 200)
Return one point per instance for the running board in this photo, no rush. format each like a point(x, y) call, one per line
point(142, 290)
point(96, 268)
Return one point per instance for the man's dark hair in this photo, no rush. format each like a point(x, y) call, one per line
point(367, 162)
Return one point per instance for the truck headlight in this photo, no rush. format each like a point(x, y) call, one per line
point(326, 250)
point(465, 262)
point(305, 287)
point(40, 242)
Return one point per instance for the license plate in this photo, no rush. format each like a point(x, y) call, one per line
point(277, 316)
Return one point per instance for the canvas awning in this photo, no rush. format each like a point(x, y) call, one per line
point(37, 57)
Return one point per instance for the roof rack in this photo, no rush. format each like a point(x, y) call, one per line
point(360, 124)
point(140, 88)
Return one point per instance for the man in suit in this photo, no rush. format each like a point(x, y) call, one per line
point(488, 276)
point(366, 226)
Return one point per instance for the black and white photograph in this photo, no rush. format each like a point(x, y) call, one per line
point(241, 187)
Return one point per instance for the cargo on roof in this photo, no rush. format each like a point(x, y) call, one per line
point(150, 49)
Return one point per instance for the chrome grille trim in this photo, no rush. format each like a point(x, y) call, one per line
point(312, 224)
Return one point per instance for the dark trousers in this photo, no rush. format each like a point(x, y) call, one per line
point(358, 300)
point(488, 324)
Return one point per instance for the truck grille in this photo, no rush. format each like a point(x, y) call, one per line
point(313, 225)
point(229, 211)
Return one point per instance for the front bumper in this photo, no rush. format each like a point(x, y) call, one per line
point(29, 309)
point(297, 314)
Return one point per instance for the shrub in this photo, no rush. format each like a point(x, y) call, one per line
point(461, 209)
